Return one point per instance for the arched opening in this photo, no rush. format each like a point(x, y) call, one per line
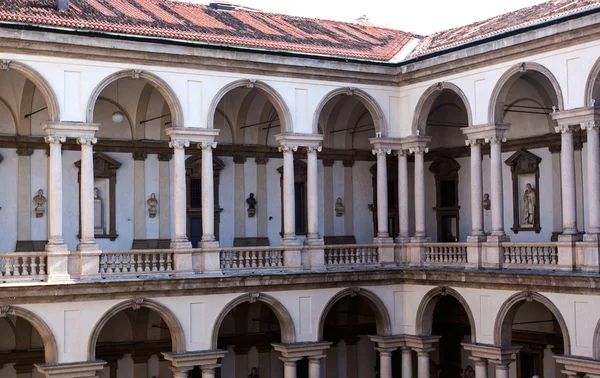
point(441, 113)
point(26, 340)
point(132, 336)
point(347, 321)
point(531, 321)
point(525, 98)
point(246, 329)
point(592, 88)
point(248, 115)
point(348, 118)
point(133, 110)
point(26, 102)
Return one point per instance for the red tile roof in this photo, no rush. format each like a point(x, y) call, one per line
point(518, 19)
point(200, 23)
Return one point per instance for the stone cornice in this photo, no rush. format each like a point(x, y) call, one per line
point(70, 129)
point(192, 134)
point(580, 365)
point(299, 140)
point(486, 132)
point(576, 116)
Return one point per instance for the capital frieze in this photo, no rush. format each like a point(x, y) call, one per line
point(418, 150)
point(313, 149)
point(55, 139)
point(495, 139)
point(382, 151)
point(179, 144)
point(87, 141)
point(24, 151)
point(474, 142)
point(401, 153)
point(564, 129)
point(207, 146)
point(590, 125)
point(288, 149)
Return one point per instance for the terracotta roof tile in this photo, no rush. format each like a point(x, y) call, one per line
point(193, 22)
point(501, 24)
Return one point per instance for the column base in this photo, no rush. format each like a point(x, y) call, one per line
point(477, 238)
point(420, 239)
point(497, 239)
point(569, 238)
point(402, 239)
point(180, 244)
point(314, 241)
point(290, 242)
point(591, 237)
point(56, 246)
point(87, 260)
point(209, 244)
point(57, 264)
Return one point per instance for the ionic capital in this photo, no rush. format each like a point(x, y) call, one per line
point(179, 144)
point(564, 129)
point(401, 153)
point(474, 142)
point(288, 149)
point(418, 150)
point(495, 139)
point(382, 151)
point(55, 139)
point(313, 149)
point(207, 146)
point(590, 125)
point(87, 141)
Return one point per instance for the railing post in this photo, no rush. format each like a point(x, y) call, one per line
point(182, 262)
point(492, 255)
point(474, 254)
point(292, 257)
point(416, 253)
point(211, 261)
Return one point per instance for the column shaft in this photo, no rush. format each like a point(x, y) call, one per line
point(289, 367)
point(312, 192)
point(567, 171)
point(502, 371)
point(403, 194)
point(406, 362)
point(55, 195)
point(208, 193)
point(385, 364)
point(481, 368)
point(382, 193)
point(420, 194)
point(86, 183)
point(289, 197)
point(423, 364)
point(496, 187)
point(314, 367)
point(208, 371)
point(179, 195)
point(593, 178)
point(476, 190)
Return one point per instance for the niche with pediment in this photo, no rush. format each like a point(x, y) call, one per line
point(105, 196)
point(193, 170)
point(525, 169)
point(447, 208)
point(300, 204)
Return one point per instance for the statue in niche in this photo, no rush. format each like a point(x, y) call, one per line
point(339, 207)
point(152, 202)
point(469, 372)
point(98, 213)
point(251, 201)
point(487, 204)
point(39, 200)
point(529, 203)
point(253, 373)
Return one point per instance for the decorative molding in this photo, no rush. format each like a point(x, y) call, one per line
point(495, 139)
point(563, 129)
point(590, 125)
point(136, 74)
point(418, 150)
point(165, 156)
point(250, 83)
point(239, 159)
point(313, 149)
point(87, 141)
point(208, 146)
point(328, 162)
point(140, 155)
point(24, 151)
point(4, 64)
point(261, 160)
point(136, 304)
point(253, 297)
point(287, 149)
point(382, 151)
point(55, 139)
point(179, 144)
point(348, 163)
point(4, 310)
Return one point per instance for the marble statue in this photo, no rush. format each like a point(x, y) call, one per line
point(98, 213)
point(152, 202)
point(339, 207)
point(39, 200)
point(251, 201)
point(487, 204)
point(529, 203)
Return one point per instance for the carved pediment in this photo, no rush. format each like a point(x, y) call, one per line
point(104, 165)
point(300, 171)
point(193, 166)
point(444, 166)
point(523, 161)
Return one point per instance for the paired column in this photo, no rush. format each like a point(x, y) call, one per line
point(501, 368)
point(481, 367)
point(385, 362)
point(86, 196)
point(208, 196)
point(419, 153)
point(404, 234)
point(312, 194)
point(382, 192)
point(406, 362)
point(180, 372)
point(477, 229)
point(289, 210)
point(593, 178)
point(423, 362)
point(180, 240)
point(289, 366)
point(497, 192)
point(55, 195)
point(314, 366)
point(567, 172)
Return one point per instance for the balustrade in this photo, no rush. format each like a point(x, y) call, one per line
point(23, 266)
point(519, 254)
point(136, 262)
point(251, 258)
point(446, 253)
point(351, 254)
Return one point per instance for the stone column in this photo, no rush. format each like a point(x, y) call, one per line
point(55, 195)
point(477, 229)
point(406, 362)
point(497, 193)
point(180, 372)
point(382, 192)
point(208, 371)
point(501, 369)
point(593, 179)
point(208, 196)
point(419, 152)
point(312, 183)
point(180, 240)
point(567, 169)
point(481, 367)
point(86, 196)
point(385, 362)
point(404, 234)
point(289, 366)
point(423, 363)
point(289, 198)
point(314, 366)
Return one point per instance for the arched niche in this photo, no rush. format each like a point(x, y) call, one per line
point(286, 323)
point(426, 310)
point(508, 311)
point(274, 97)
point(426, 102)
point(165, 90)
point(382, 317)
point(366, 99)
point(175, 329)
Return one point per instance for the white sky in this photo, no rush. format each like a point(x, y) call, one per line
point(417, 16)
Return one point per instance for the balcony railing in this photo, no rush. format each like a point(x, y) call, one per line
point(530, 254)
point(23, 266)
point(136, 262)
point(251, 258)
point(446, 253)
point(351, 254)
